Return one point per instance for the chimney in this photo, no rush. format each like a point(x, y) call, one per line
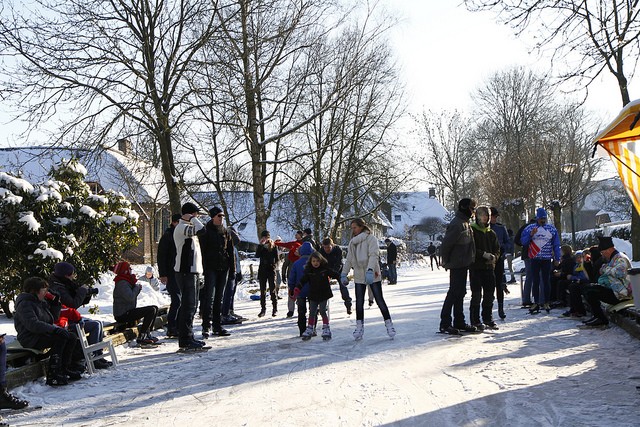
point(124, 146)
point(432, 192)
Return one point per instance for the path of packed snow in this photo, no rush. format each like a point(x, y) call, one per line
point(536, 370)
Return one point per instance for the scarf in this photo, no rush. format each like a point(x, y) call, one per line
point(123, 272)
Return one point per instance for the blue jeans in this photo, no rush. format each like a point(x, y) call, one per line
point(393, 273)
point(229, 294)
point(176, 296)
point(376, 289)
point(94, 329)
point(211, 305)
point(455, 299)
point(528, 283)
point(541, 271)
point(188, 285)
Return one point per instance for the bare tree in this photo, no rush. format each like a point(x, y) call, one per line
point(115, 68)
point(589, 36)
point(445, 155)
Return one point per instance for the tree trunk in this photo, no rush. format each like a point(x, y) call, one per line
point(169, 170)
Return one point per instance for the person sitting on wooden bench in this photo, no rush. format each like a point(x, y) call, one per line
point(613, 285)
point(74, 295)
point(125, 300)
point(34, 322)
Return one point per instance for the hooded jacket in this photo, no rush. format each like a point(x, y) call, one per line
point(485, 241)
point(457, 248)
point(318, 281)
point(297, 269)
point(33, 318)
point(363, 254)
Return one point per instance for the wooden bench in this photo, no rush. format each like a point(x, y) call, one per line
point(30, 364)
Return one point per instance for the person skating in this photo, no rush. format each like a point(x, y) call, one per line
point(268, 253)
point(431, 250)
point(166, 263)
point(333, 255)
point(363, 257)
point(219, 264)
point(544, 247)
point(187, 268)
point(458, 252)
point(482, 278)
point(7, 400)
point(317, 275)
point(295, 275)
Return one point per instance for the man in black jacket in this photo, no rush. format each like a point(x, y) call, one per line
point(458, 252)
point(333, 255)
point(166, 262)
point(219, 262)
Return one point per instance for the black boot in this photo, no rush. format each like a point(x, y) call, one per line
point(274, 312)
point(501, 311)
point(55, 374)
point(262, 311)
point(9, 401)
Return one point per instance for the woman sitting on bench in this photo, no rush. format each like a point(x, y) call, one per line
point(34, 322)
point(125, 299)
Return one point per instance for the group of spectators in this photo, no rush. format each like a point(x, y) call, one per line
point(475, 245)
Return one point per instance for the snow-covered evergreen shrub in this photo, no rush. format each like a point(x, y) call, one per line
point(60, 220)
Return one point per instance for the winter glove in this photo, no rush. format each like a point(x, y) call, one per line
point(296, 292)
point(238, 277)
point(344, 279)
point(94, 291)
point(63, 333)
point(489, 256)
point(368, 277)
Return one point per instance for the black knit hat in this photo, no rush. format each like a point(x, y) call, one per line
point(214, 211)
point(265, 233)
point(189, 208)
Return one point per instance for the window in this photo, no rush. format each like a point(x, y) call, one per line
point(397, 218)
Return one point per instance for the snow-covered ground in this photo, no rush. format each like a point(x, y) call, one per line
point(535, 370)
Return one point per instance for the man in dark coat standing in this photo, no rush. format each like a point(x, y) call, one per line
point(166, 262)
point(458, 252)
point(505, 247)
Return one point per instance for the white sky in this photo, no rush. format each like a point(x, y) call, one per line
point(445, 53)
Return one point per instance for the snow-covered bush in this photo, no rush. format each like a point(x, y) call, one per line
point(58, 220)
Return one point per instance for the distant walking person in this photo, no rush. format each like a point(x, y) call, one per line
point(458, 252)
point(363, 257)
point(431, 250)
point(544, 246)
point(392, 260)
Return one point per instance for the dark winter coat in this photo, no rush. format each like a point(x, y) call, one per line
point(567, 264)
point(503, 238)
point(485, 241)
point(268, 258)
point(166, 254)
point(334, 258)
point(125, 297)
point(72, 294)
point(458, 249)
point(33, 318)
point(296, 271)
point(392, 253)
point(217, 249)
point(517, 239)
point(318, 282)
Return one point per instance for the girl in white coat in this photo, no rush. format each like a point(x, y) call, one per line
point(363, 256)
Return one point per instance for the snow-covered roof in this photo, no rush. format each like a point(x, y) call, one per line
point(110, 168)
point(411, 208)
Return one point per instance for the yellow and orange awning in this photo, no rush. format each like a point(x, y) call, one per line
point(621, 140)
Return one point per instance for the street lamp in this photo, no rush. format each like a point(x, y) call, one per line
point(569, 168)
